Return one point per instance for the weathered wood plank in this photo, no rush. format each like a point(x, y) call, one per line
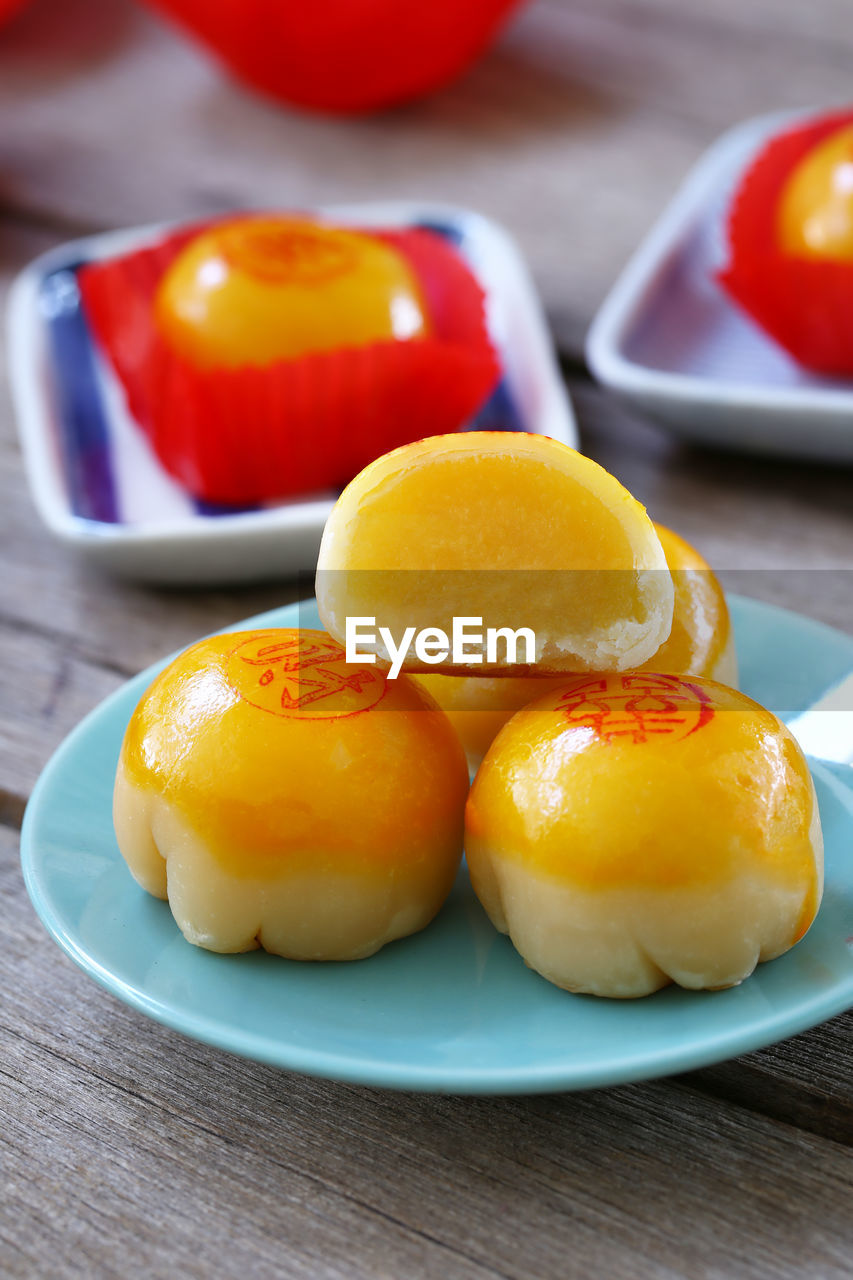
point(709, 65)
point(49, 589)
point(120, 1139)
point(45, 690)
point(775, 529)
point(824, 24)
point(806, 1081)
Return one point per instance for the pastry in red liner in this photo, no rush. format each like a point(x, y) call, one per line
point(798, 286)
point(265, 431)
point(343, 55)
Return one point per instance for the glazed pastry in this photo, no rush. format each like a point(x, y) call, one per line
point(262, 289)
point(815, 215)
point(280, 797)
point(701, 643)
point(633, 830)
point(478, 707)
point(516, 530)
point(790, 242)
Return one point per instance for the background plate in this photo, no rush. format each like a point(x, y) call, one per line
point(453, 1008)
point(670, 342)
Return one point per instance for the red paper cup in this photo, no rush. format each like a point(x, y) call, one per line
point(805, 305)
point(246, 435)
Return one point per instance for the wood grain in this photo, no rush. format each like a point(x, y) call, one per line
point(777, 530)
point(119, 1138)
point(49, 589)
point(45, 690)
point(805, 1081)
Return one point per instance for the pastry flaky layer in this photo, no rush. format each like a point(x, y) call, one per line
point(516, 530)
point(633, 830)
point(281, 797)
point(700, 643)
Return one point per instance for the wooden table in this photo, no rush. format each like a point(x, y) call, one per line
point(127, 1150)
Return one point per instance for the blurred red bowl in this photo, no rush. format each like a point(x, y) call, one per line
point(10, 7)
point(342, 55)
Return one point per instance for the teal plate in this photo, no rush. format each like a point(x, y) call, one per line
point(452, 1009)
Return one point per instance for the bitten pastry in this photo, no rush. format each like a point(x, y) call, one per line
point(701, 643)
point(515, 530)
point(639, 829)
point(280, 797)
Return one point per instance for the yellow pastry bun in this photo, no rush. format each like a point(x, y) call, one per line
point(632, 830)
point(261, 289)
point(515, 531)
point(283, 798)
point(478, 707)
point(815, 214)
point(701, 643)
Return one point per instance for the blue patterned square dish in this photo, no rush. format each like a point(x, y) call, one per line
point(98, 485)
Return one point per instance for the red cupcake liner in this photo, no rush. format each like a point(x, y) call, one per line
point(246, 435)
point(805, 305)
point(343, 55)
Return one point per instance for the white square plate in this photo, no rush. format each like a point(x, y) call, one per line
point(97, 484)
point(670, 342)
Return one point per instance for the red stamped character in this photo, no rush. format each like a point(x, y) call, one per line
point(637, 706)
point(304, 678)
point(301, 255)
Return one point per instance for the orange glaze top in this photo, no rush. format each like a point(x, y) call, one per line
point(280, 755)
point(644, 781)
point(262, 289)
point(815, 216)
point(400, 507)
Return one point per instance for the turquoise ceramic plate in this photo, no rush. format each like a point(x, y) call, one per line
point(453, 1008)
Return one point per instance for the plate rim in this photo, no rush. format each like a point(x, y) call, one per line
point(359, 1069)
